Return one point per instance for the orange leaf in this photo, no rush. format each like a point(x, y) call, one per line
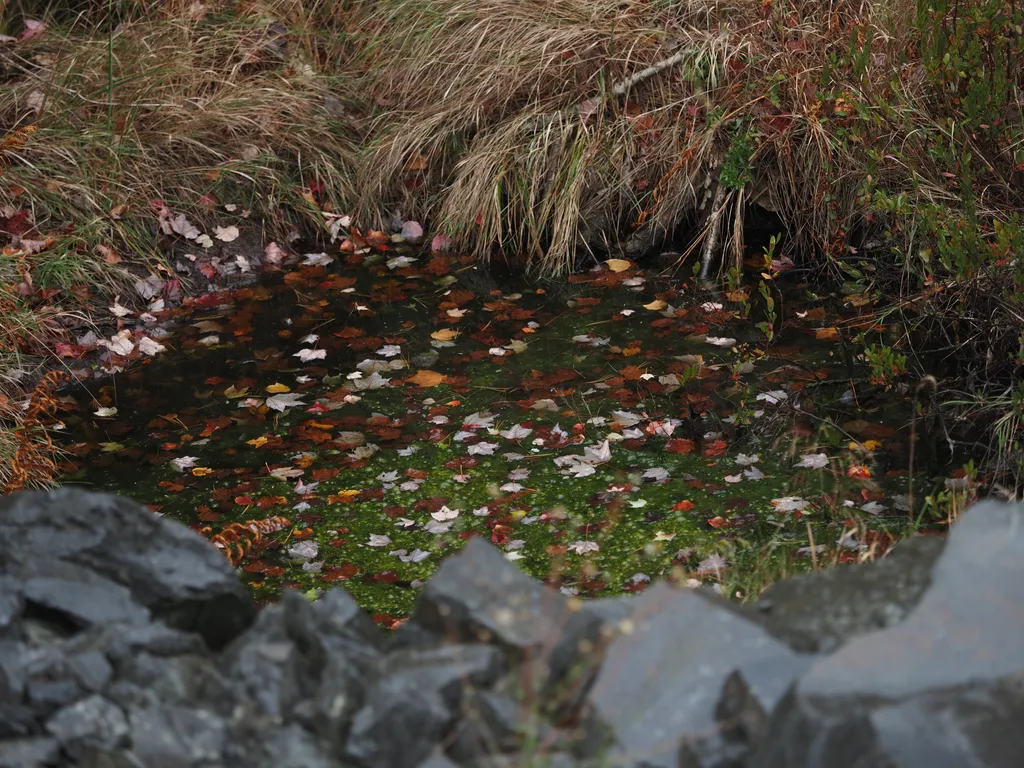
point(425, 378)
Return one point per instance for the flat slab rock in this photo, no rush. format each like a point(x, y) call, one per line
point(127, 640)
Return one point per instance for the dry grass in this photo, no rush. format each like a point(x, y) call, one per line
point(191, 111)
point(526, 124)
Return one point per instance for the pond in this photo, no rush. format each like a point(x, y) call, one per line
point(355, 417)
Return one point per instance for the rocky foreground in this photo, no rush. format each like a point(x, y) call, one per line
point(127, 640)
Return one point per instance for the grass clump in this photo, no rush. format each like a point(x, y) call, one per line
point(886, 136)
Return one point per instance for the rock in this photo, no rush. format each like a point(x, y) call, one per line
point(29, 753)
point(84, 601)
point(956, 659)
point(167, 569)
point(659, 685)
point(176, 736)
point(577, 656)
point(91, 722)
point(816, 612)
point(416, 698)
point(305, 664)
point(112, 661)
point(479, 596)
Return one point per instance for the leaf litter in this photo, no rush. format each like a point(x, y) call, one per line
point(387, 406)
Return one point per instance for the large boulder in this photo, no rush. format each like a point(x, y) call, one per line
point(80, 559)
point(942, 687)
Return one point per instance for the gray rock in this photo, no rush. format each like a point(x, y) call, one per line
point(85, 603)
point(92, 722)
point(176, 737)
point(29, 752)
point(412, 704)
point(11, 605)
point(659, 685)
point(957, 656)
point(577, 656)
point(310, 664)
point(817, 612)
point(479, 596)
point(168, 569)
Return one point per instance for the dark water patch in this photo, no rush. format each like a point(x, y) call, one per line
point(353, 423)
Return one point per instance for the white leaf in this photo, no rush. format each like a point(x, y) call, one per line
point(284, 401)
point(117, 310)
point(379, 540)
point(482, 449)
point(184, 462)
point(582, 547)
point(184, 227)
point(149, 347)
point(226, 234)
point(105, 412)
point(444, 514)
point(720, 341)
point(517, 432)
point(813, 461)
point(316, 259)
point(304, 550)
point(305, 355)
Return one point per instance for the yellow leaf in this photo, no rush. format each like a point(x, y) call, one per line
point(200, 471)
point(426, 378)
point(258, 442)
point(445, 334)
point(275, 389)
point(342, 497)
point(826, 333)
point(234, 391)
point(618, 265)
point(656, 305)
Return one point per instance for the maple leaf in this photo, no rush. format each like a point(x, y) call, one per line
point(680, 445)
point(715, 448)
point(378, 540)
point(445, 334)
point(305, 355)
point(149, 347)
point(583, 547)
point(426, 378)
point(284, 401)
point(813, 461)
point(517, 432)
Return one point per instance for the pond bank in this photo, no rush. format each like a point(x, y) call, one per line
point(138, 147)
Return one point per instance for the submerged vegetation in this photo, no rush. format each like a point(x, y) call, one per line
point(152, 154)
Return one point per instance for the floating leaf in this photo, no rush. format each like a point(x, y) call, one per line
point(426, 378)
